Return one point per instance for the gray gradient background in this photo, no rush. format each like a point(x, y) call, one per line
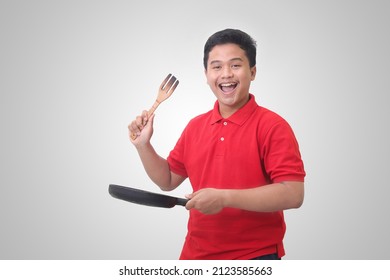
point(75, 73)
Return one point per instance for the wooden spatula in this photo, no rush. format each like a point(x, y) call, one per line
point(166, 89)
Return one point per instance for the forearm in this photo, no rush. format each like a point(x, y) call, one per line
point(269, 198)
point(155, 166)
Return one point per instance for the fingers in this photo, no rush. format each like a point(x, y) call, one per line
point(136, 126)
point(190, 204)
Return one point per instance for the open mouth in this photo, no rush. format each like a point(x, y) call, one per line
point(228, 87)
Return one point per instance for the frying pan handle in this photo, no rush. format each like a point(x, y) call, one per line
point(181, 201)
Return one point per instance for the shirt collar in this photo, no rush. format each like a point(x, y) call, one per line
point(238, 117)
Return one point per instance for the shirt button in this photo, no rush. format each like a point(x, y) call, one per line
point(222, 138)
point(224, 123)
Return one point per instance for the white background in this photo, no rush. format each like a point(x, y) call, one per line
point(75, 73)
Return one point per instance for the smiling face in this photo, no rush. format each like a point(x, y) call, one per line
point(229, 76)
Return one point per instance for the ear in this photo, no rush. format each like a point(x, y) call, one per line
point(205, 73)
point(253, 73)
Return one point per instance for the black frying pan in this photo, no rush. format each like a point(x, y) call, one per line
point(145, 197)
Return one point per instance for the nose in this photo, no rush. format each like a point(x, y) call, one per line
point(227, 72)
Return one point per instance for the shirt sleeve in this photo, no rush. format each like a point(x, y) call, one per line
point(176, 157)
point(281, 155)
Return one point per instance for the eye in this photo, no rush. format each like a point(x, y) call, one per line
point(235, 66)
point(216, 67)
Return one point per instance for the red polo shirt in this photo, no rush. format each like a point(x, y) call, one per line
point(251, 148)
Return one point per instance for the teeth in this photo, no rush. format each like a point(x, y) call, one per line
point(227, 87)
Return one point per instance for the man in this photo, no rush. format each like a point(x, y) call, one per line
point(242, 160)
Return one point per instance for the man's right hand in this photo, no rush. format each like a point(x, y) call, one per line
point(142, 128)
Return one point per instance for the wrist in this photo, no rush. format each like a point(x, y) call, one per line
point(141, 147)
point(226, 198)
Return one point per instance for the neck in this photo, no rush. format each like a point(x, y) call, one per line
point(227, 111)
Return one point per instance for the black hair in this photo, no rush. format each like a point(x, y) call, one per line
point(234, 36)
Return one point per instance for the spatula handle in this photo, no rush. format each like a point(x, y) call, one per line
point(181, 201)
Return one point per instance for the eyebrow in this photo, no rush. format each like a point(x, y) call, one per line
point(233, 59)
